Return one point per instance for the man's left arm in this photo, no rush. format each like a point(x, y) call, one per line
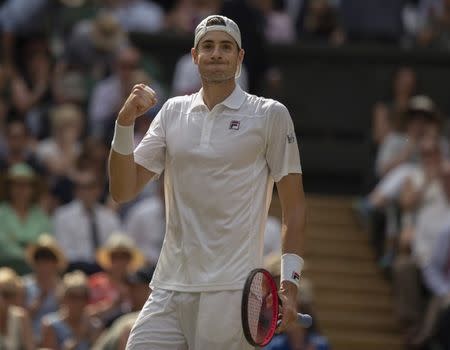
point(292, 198)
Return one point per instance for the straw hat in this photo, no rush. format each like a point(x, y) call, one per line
point(48, 243)
point(9, 280)
point(118, 242)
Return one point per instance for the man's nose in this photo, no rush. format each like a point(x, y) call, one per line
point(216, 53)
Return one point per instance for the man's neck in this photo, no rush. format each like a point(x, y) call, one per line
point(214, 94)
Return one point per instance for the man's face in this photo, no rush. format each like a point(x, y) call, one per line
point(217, 57)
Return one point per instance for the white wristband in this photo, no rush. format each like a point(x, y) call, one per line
point(123, 140)
point(291, 268)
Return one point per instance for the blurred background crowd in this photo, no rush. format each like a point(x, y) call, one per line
point(73, 263)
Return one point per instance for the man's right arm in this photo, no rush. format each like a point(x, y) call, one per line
point(126, 177)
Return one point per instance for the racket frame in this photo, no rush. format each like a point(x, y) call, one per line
point(244, 307)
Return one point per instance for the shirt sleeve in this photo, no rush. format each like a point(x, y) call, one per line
point(151, 151)
point(282, 153)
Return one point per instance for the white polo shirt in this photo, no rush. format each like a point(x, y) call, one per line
point(220, 167)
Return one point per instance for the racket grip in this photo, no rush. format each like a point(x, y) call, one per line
point(304, 320)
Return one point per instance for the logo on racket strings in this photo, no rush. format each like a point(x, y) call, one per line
point(295, 276)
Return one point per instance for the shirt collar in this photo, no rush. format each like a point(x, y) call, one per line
point(234, 101)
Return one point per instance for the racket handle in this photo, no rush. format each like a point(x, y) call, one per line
point(304, 320)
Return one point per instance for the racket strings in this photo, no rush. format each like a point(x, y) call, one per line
point(255, 304)
point(261, 308)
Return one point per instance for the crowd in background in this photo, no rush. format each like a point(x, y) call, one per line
point(75, 266)
point(407, 212)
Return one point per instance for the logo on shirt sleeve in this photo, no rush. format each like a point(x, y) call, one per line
point(295, 276)
point(234, 125)
point(290, 137)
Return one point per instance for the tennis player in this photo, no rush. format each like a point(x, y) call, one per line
point(222, 150)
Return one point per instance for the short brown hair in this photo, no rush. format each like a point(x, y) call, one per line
point(215, 21)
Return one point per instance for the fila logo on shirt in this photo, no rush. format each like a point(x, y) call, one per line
point(295, 276)
point(234, 125)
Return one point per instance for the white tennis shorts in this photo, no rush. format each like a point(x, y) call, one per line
point(173, 320)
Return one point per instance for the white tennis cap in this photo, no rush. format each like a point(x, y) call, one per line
point(226, 25)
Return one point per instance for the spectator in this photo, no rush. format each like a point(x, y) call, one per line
point(109, 292)
point(84, 225)
point(60, 151)
point(22, 221)
point(19, 148)
point(115, 338)
point(71, 327)
point(417, 240)
point(18, 19)
point(31, 86)
point(92, 46)
point(436, 277)
point(47, 262)
point(399, 156)
point(420, 114)
point(16, 332)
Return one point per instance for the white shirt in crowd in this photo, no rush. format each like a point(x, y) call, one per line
point(145, 223)
point(220, 167)
point(72, 228)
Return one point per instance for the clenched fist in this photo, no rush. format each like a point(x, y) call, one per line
point(141, 99)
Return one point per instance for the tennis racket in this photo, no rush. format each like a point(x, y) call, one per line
point(260, 308)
